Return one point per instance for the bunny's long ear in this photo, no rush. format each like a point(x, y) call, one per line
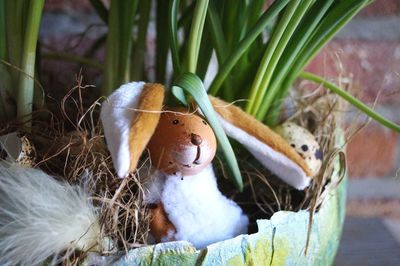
point(270, 149)
point(129, 116)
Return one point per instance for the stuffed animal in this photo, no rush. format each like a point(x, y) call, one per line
point(182, 192)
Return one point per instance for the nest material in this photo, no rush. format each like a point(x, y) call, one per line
point(79, 155)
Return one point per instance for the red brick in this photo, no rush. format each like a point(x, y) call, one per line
point(373, 66)
point(382, 8)
point(387, 208)
point(372, 152)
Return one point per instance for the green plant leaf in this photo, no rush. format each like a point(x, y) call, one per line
point(179, 95)
point(26, 79)
point(3, 36)
point(101, 10)
point(352, 100)
point(297, 42)
point(173, 35)
point(196, 32)
point(336, 18)
point(139, 49)
point(244, 44)
point(276, 45)
point(194, 86)
point(216, 32)
point(162, 40)
point(119, 44)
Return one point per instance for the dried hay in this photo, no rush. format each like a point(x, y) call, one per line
point(71, 146)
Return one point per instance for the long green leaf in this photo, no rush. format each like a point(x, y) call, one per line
point(297, 42)
point(15, 35)
point(3, 36)
point(162, 40)
point(112, 50)
point(127, 12)
point(26, 81)
point(196, 32)
point(216, 32)
point(336, 18)
point(279, 39)
point(193, 85)
point(206, 50)
point(101, 10)
point(6, 109)
point(173, 35)
point(352, 100)
point(119, 44)
point(234, 57)
point(139, 50)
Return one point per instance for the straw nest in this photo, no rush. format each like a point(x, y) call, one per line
point(71, 146)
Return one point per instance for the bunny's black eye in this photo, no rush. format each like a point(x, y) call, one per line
point(175, 122)
point(205, 123)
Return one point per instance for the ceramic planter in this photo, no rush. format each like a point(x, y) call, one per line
point(280, 240)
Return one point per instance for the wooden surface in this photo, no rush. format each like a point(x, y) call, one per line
point(367, 242)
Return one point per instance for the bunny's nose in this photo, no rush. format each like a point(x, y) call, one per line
point(196, 139)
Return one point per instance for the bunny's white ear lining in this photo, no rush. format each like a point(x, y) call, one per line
point(117, 115)
point(276, 162)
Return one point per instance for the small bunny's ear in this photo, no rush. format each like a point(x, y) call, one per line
point(129, 116)
point(270, 149)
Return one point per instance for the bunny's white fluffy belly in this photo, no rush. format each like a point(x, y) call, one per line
point(198, 210)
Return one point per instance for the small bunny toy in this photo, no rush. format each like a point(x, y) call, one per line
point(182, 193)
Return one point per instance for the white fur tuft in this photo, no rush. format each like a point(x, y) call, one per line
point(41, 217)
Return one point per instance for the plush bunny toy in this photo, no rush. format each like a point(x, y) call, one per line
point(182, 193)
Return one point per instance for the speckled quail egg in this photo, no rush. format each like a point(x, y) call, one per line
point(15, 148)
point(304, 143)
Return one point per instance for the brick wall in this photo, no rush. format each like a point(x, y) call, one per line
point(368, 51)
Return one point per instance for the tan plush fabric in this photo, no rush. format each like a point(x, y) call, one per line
point(252, 126)
point(142, 129)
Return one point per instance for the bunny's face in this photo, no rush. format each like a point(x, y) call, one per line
point(182, 142)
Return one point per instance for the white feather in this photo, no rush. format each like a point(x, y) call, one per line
point(41, 217)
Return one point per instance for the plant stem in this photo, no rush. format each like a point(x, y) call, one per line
point(3, 36)
point(162, 39)
point(234, 57)
point(101, 10)
point(119, 44)
point(340, 14)
point(26, 83)
point(286, 26)
point(294, 21)
point(196, 32)
point(173, 36)
point(137, 67)
point(297, 43)
point(128, 12)
point(352, 100)
point(112, 51)
point(72, 58)
point(216, 32)
point(15, 34)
